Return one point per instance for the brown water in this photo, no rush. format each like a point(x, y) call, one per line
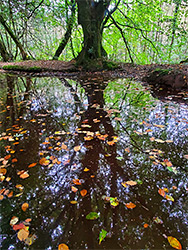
point(93, 135)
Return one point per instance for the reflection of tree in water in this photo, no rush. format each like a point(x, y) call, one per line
point(55, 220)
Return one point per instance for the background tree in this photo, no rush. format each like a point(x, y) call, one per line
point(136, 31)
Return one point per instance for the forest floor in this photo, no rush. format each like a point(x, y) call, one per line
point(54, 67)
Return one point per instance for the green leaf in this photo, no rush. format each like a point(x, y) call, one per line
point(92, 216)
point(102, 235)
point(114, 201)
point(139, 181)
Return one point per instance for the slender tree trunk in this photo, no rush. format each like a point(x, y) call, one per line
point(3, 51)
point(90, 16)
point(67, 35)
point(14, 38)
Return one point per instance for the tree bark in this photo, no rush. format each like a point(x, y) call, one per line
point(67, 35)
point(90, 16)
point(14, 38)
point(4, 52)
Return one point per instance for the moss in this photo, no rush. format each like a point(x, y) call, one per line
point(162, 72)
point(97, 65)
point(110, 65)
point(22, 68)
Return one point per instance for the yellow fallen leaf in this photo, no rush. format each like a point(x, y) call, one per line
point(73, 202)
point(174, 242)
point(131, 183)
point(74, 189)
point(77, 148)
point(63, 247)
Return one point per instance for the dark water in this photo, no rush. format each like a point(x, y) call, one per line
point(103, 133)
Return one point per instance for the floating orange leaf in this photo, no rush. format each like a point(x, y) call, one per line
point(7, 157)
point(131, 183)
point(1, 197)
point(168, 163)
point(63, 247)
point(83, 192)
point(174, 242)
point(146, 225)
point(73, 202)
point(14, 160)
point(3, 171)
point(10, 194)
point(63, 146)
point(161, 192)
point(43, 161)
point(74, 189)
point(32, 165)
point(22, 234)
point(86, 169)
point(77, 148)
point(111, 143)
point(25, 206)
point(76, 181)
point(130, 205)
point(24, 175)
point(18, 226)
point(127, 150)
point(28, 220)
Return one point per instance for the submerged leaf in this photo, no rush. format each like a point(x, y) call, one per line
point(92, 216)
point(102, 235)
point(174, 242)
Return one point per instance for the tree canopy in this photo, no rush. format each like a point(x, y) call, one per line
point(130, 31)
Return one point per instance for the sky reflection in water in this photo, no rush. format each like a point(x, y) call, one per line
point(103, 133)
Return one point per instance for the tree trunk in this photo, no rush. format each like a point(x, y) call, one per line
point(4, 52)
point(67, 35)
point(14, 38)
point(90, 16)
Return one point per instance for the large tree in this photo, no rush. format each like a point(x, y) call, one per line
point(91, 15)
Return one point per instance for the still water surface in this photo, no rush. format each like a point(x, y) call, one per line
point(95, 145)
